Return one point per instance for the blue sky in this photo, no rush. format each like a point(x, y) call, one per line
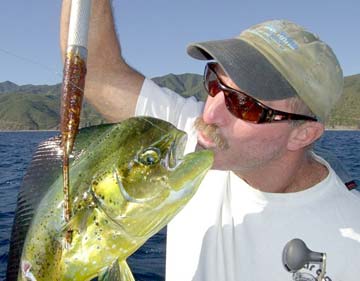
point(154, 33)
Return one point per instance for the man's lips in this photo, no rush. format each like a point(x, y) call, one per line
point(205, 141)
point(209, 136)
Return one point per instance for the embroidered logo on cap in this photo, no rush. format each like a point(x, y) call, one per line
point(272, 34)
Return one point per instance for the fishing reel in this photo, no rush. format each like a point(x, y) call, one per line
point(296, 254)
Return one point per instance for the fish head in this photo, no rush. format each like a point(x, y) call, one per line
point(149, 178)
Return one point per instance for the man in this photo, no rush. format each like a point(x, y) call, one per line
point(270, 91)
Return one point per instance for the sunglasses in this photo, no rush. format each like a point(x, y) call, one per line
point(243, 106)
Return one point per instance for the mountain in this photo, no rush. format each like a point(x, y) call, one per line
point(30, 107)
point(347, 111)
point(187, 84)
point(36, 107)
point(8, 86)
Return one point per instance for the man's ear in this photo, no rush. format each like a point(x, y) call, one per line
point(304, 135)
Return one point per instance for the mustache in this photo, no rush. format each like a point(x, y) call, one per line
point(211, 131)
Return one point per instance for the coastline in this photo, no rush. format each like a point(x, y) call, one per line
point(27, 131)
point(336, 128)
point(341, 128)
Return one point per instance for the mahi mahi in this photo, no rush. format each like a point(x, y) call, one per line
point(130, 180)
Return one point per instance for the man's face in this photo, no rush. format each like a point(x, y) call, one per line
point(244, 145)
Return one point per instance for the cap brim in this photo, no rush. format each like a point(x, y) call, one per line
point(246, 66)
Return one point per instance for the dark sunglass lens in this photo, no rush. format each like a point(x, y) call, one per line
point(253, 112)
point(211, 83)
point(213, 88)
point(239, 104)
point(243, 107)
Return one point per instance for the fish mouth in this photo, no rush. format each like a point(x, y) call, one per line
point(187, 168)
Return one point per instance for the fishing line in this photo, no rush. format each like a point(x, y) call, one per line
point(53, 71)
point(31, 61)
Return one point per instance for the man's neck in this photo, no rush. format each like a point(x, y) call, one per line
point(293, 173)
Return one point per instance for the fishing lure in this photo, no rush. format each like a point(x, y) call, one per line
point(73, 89)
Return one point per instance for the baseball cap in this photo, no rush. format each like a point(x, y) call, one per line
point(278, 59)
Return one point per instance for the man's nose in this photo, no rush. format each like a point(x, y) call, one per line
point(215, 111)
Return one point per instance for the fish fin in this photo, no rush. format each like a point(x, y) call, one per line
point(78, 221)
point(45, 161)
point(117, 271)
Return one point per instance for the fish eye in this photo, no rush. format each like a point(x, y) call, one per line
point(149, 156)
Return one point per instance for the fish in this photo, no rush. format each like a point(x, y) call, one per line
point(130, 179)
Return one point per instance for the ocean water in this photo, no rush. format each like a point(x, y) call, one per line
point(148, 263)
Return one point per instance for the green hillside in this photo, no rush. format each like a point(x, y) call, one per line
point(36, 107)
point(28, 112)
point(187, 84)
point(347, 111)
point(19, 111)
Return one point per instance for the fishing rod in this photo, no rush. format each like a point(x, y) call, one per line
point(73, 90)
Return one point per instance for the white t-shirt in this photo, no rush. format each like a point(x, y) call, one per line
point(231, 231)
